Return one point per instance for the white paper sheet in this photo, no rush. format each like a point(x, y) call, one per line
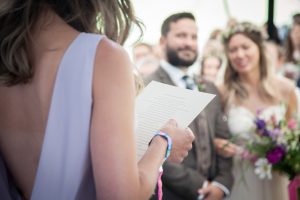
point(160, 102)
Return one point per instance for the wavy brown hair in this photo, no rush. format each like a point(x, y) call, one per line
point(235, 90)
point(112, 18)
point(289, 46)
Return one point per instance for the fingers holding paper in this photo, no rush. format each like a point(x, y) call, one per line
point(182, 140)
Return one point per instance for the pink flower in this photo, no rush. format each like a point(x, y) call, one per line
point(292, 124)
point(246, 154)
point(249, 156)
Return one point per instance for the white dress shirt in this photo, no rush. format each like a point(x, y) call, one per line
point(176, 74)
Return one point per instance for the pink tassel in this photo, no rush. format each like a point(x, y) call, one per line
point(159, 184)
point(294, 186)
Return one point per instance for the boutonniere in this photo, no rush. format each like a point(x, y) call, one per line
point(201, 85)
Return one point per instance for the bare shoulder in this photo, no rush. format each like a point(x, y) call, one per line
point(285, 82)
point(287, 90)
point(284, 86)
point(112, 63)
point(106, 46)
point(111, 54)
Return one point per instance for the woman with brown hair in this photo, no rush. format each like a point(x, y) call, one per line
point(292, 51)
point(251, 86)
point(67, 104)
point(293, 42)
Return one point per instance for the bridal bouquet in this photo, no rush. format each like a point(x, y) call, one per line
point(276, 146)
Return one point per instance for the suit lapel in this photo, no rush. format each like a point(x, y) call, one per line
point(164, 76)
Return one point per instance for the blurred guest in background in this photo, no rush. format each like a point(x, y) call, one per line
point(292, 56)
point(275, 54)
point(141, 50)
point(145, 58)
point(210, 66)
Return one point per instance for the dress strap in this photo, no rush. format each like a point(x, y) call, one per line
point(65, 157)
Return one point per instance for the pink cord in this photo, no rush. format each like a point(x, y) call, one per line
point(159, 185)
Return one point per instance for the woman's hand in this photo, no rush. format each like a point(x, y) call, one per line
point(226, 148)
point(181, 140)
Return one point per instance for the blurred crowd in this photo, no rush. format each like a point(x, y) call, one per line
point(251, 69)
point(282, 47)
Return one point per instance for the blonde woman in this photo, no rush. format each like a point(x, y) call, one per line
point(250, 86)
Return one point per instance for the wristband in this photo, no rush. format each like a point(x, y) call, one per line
point(169, 141)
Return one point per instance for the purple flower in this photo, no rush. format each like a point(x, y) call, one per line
point(275, 133)
point(260, 124)
point(276, 154)
point(266, 133)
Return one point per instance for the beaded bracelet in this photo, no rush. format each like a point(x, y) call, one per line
point(169, 141)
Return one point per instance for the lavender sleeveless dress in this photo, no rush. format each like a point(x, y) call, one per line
point(64, 170)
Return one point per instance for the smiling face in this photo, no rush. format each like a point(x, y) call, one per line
point(180, 43)
point(243, 54)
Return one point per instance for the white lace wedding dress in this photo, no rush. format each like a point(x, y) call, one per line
point(247, 185)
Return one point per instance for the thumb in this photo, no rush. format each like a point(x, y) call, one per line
point(171, 123)
point(190, 133)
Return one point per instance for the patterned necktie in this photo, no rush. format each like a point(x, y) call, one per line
point(189, 83)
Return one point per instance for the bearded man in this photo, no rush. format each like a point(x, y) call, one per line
point(203, 174)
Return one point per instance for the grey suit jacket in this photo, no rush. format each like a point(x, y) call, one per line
point(182, 181)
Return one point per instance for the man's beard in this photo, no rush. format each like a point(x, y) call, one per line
point(174, 59)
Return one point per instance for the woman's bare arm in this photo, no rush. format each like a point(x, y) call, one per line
point(116, 170)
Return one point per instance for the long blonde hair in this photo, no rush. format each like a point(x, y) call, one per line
point(18, 17)
point(234, 88)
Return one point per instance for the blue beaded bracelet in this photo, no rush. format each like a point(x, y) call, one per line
point(169, 141)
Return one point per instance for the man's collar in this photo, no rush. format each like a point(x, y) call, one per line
point(175, 73)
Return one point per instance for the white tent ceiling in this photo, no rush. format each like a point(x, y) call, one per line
point(210, 14)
